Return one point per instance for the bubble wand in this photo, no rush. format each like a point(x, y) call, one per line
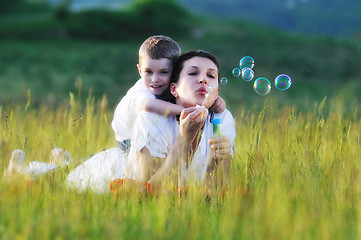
point(210, 89)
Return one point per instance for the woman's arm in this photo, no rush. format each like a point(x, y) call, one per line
point(153, 169)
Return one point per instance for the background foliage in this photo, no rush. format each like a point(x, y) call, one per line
point(64, 51)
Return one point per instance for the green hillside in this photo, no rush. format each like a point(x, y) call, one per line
point(51, 67)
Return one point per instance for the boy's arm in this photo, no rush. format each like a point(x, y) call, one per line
point(219, 105)
point(161, 107)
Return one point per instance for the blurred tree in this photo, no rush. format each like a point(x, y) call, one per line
point(62, 10)
point(162, 16)
point(151, 16)
point(10, 5)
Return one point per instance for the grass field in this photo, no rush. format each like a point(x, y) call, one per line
point(297, 152)
point(301, 167)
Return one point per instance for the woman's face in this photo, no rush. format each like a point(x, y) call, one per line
point(197, 74)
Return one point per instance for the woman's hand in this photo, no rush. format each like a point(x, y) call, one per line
point(191, 121)
point(218, 167)
point(220, 151)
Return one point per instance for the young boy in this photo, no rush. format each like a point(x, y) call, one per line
point(156, 57)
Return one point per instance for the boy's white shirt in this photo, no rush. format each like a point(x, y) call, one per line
point(128, 109)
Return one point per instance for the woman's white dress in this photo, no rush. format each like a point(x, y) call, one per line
point(158, 134)
point(36, 168)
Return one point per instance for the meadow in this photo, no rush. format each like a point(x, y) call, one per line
point(296, 166)
point(301, 168)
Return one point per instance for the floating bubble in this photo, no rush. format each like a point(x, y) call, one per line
point(224, 80)
point(247, 74)
point(236, 72)
point(210, 88)
point(283, 82)
point(246, 62)
point(262, 86)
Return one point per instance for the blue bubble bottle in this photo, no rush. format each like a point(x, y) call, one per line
point(217, 127)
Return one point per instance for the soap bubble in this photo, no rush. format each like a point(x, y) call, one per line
point(210, 88)
point(262, 86)
point(246, 62)
point(283, 82)
point(224, 80)
point(236, 72)
point(247, 74)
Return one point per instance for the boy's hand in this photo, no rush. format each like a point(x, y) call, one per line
point(219, 105)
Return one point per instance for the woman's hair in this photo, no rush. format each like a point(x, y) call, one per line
point(178, 67)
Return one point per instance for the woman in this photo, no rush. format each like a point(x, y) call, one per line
point(163, 146)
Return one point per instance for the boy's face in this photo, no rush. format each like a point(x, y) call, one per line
point(155, 74)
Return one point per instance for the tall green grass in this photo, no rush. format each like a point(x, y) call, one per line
point(302, 169)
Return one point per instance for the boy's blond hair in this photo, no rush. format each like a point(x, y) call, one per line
point(159, 46)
